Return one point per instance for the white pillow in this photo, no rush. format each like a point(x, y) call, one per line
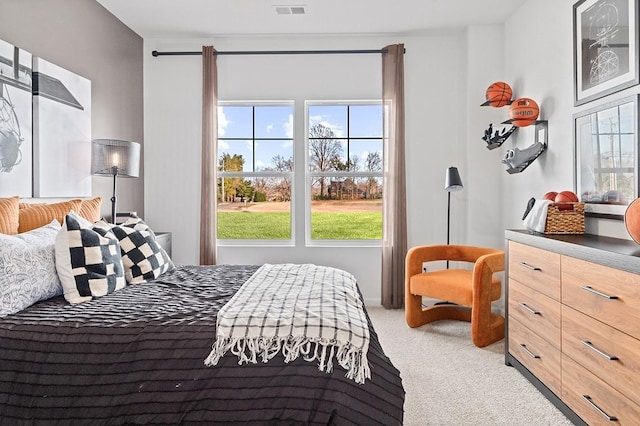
point(28, 268)
point(88, 260)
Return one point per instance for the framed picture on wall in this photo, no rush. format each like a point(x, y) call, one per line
point(606, 157)
point(605, 47)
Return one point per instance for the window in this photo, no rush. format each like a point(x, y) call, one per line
point(255, 163)
point(344, 173)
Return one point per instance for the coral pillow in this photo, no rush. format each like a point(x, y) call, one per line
point(90, 209)
point(42, 214)
point(9, 214)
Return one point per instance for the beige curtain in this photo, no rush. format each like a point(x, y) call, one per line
point(394, 225)
point(208, 184)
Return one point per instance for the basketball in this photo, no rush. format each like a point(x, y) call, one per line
point(498, 94)
point(523, 112)
point(551, 196)
point(566, 197)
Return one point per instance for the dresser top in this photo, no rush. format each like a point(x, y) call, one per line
point(614, 252)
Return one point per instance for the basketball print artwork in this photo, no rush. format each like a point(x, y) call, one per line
point(605, 47)
point(15, 121)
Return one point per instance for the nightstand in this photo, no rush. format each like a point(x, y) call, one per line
point(164, 239)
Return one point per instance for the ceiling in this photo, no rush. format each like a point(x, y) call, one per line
point(206, 18)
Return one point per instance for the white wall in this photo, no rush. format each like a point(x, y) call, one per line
point(436, 125)
point(543, 70)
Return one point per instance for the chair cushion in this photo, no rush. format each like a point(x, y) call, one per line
point(452, 285)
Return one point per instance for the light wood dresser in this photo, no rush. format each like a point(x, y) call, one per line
point(573, 322)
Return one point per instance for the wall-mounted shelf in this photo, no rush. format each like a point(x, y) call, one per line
point(498, 138)
point(518, 160)
point(487, 103)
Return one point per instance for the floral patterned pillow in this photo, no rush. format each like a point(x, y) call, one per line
point(28, 268)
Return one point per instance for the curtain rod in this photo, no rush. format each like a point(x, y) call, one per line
point(273, 52)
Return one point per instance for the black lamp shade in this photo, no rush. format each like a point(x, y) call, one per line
point(115, 157)
point(452, 181)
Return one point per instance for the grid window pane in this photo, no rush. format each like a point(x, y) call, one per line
point(274, 121)
point(365, 121)
point(345, 139)
point(255, 159)
point(351, 211)
point(274, 155)
point(235, 155)
point(254, 208)
point(235, 121)
point(333, 119)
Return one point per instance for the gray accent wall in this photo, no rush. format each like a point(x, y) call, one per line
point(83, 37)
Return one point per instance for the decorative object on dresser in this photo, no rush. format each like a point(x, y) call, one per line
point(111, 157)
point(573, 322)
point(467, 294)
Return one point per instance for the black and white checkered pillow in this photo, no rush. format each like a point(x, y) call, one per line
point(88, 260)
point(143, 258)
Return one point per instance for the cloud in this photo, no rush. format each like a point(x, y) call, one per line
point(269, 127)
point(288, 127)
point(320, 119)
point(223, 122)
point(223, 145)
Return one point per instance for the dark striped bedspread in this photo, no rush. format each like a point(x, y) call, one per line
point(137, 357)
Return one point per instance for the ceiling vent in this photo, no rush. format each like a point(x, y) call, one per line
point(290, 10)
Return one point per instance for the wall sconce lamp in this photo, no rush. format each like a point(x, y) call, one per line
point(111, 157)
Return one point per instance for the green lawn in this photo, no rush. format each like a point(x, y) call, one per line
point(276, 225)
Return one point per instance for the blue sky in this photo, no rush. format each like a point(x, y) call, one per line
point(277, 121)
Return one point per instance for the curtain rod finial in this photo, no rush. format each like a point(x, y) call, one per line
point(154, 53)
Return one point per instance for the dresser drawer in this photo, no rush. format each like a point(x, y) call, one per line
point(594, 400)
point(536, 268)
point(536, 311)
point(539, 356)
point(611, 355)
point(609, 295)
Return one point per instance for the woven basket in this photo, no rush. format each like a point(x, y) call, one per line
point(565, 218)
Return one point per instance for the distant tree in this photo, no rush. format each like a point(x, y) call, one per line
point(282, 186)
point(324, 151)
point(233, 187)
point(373, 163)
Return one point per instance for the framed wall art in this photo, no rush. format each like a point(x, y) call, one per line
point(605, 47)
point(15, 121)
point(61, 132)
point(606, 157)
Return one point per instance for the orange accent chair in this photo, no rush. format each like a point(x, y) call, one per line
point(468, 293)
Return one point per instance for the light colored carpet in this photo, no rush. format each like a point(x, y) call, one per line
point(449, 381)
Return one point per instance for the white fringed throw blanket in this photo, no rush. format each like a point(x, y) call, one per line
point(300, 310)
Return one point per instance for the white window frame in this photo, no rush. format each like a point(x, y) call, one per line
point(309, 242)
point(290, 175)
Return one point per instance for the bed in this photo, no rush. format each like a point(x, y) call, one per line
point(136, 357)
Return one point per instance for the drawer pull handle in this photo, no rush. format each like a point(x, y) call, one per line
point(598, 351)
point(598, 409)
point(527, 308)
point(531, 354)
point(597, 293)
point(533, 268)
